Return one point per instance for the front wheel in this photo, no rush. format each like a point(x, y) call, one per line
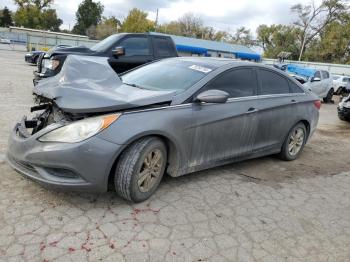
point(140, 169)
point(294, 143)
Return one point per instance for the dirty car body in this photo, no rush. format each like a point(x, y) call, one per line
point(160, 100)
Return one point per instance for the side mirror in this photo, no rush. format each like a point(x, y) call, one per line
point(315, 79)
point(212, 96)
point(118, 51)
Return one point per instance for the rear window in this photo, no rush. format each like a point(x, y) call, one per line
point(272, 83)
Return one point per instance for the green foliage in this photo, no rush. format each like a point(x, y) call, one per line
point(137, 22)
point(36, 14)
point(5, 17)
point(89, 14)
point(277, 38)
point(107, 27)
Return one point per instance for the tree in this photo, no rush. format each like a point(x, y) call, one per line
point(5, 17)
point(137, 22)
point(107, 27)
point(89, 14)
point(40, 4)
point(242, 36)
point(191, 25)
point(37, 14)
point(277, 38)
point(313, 19)
point(333, 46)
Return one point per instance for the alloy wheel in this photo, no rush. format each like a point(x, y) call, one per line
point(151, 169)
point(296, 141)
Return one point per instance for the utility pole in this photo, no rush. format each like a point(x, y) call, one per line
point(156, 22)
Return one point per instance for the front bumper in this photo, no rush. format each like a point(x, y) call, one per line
point(83, 166)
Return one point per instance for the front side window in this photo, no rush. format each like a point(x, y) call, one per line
point(317, 74)
point(272, 83)
point(168, 75)
point(134, 46)
point(237, 83)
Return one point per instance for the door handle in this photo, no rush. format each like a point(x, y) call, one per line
point(293, 101)
point(251, 110)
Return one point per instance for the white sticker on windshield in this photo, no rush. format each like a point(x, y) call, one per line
point(200, 68)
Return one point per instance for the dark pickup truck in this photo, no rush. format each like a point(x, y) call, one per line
point(124, 51)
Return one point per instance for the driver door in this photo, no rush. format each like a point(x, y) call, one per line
point(138, 51)
point(223, 131)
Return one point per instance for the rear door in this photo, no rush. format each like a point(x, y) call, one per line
point(138, 51)
point(278, 100)
point(227, 130)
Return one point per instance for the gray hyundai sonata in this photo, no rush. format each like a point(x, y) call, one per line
point(92, 128)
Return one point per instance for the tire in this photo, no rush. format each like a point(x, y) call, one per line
point(133, 161)
point(329, 96)
point(342, 118)
point(288, 155)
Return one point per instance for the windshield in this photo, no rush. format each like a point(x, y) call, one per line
point(105, 43)
point(336, 77)
point(166, 75)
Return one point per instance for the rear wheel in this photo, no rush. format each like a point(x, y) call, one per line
point(140, 169)
point(329, 96)
point(294, 143)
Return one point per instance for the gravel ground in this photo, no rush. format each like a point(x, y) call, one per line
point(257, 210)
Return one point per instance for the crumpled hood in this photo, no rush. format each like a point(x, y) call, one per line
point(88, 84)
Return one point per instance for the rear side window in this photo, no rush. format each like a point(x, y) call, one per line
point(163, 47)
point(136, 46)
point(272, 83)
point(237, 83)
point(325, 74)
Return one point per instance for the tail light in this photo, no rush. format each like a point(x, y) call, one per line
point(317, 104)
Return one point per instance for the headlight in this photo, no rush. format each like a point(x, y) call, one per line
point(51, 64)
point(80, 130)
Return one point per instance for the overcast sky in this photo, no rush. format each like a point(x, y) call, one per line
point(223, 15)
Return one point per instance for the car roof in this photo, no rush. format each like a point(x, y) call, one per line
point(216, 62)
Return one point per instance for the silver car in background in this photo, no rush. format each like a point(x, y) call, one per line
point(174, 116)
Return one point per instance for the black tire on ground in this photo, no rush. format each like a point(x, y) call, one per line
point(329, 96)
point(133, 161)
point(341, 117)
point(285, 153)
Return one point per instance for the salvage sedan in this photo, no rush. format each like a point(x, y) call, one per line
point(94, 128)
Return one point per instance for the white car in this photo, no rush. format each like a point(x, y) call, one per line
point(320, 83)
point(341, 84)
point(5, 41)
